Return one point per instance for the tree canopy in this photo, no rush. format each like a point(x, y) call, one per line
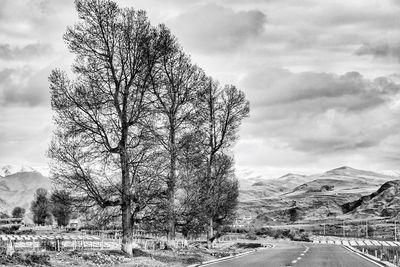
point(125, 119)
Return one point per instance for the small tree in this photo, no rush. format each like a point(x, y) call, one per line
point(18, 212)
point(192, 219)
point(220, 113)
point(294, 214)
point(41, 207)
point(220, 195)
point(62, 207)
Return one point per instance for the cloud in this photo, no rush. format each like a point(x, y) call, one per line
point(24, 86)
point(24, 53)
point(347, 92)
point(35, 19)
point(380, 50)
point(321, 113)
point(24, 134)
point(212, 28)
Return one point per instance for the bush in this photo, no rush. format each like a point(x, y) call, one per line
point(30, 259)
point(251, 236)
point(292, 234)
point(249, 245)
point(26, 232)
point(9, 228)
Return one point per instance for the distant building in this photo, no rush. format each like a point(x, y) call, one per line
point(73, 224)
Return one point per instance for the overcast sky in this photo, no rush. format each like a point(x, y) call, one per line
point(322, 77)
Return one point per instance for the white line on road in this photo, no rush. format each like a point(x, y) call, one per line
point(352, 250)
point(216, 261)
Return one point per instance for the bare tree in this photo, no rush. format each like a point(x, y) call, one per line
point(220, 113)
point(101, 149)
point(176, 82)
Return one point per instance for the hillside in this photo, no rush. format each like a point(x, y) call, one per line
point(17, 188)
point(11, 169)
point(384, 202)
point(311, 197)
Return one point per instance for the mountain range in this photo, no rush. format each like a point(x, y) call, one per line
point(343, 192)
point(18, 185)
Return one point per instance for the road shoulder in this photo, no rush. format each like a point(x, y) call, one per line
point(370, 258)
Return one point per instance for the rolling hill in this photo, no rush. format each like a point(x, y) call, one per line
point(343, 192)
point(384, 202)
point(312, 197)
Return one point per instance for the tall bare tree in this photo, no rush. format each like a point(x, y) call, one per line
point(176, 82)
point(220, 112)
point(101, 148)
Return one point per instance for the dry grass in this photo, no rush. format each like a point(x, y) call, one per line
point(158, 258)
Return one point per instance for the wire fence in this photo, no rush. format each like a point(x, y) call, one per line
point(378, 229)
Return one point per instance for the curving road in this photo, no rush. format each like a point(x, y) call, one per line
point(299, 255)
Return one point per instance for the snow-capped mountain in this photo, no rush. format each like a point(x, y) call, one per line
point(11, 169)
point(18, 184)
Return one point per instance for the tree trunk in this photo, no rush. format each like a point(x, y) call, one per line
point(126, 208)
point(127, 241)
point(210, 233)
point(172, 183)
point(126, 205)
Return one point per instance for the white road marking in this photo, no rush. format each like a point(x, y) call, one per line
point(361, 255)
point(294, 261)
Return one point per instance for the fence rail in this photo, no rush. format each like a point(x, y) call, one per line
point(56, 242)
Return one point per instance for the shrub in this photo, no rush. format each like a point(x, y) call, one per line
point(30, 259)
point(251, 236)
point(292, 234)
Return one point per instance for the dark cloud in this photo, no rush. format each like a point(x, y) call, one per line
point(316, 92)
point(213, 28)
point(24, 87)
point(8, 52)
point(380, 50)
point(321, 113)
point(334, 144)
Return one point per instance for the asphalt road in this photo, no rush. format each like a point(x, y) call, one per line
point(299, 255)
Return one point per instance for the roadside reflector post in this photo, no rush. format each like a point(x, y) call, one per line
point(344, 231)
